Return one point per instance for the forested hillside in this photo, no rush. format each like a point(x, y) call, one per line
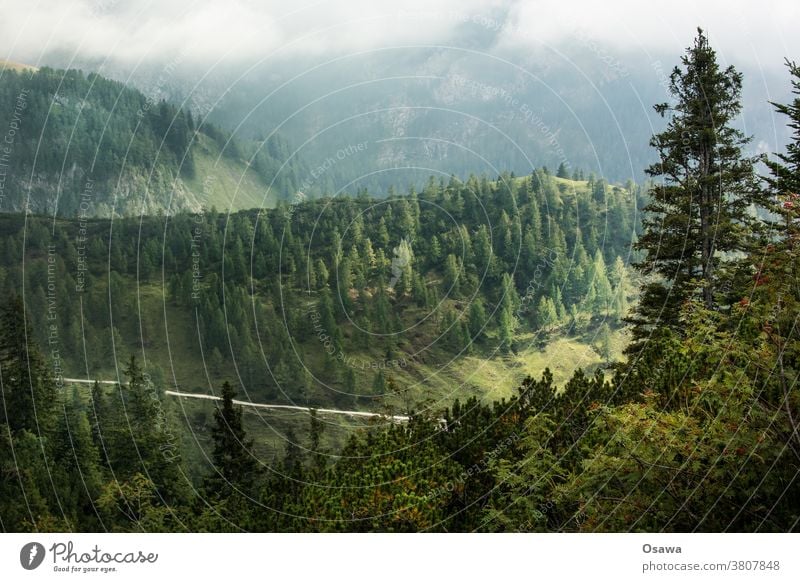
point(434, 308)
point(328, 301)
point(82, 144)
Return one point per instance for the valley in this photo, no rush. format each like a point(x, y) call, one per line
point(411, 292)
point(347, 323)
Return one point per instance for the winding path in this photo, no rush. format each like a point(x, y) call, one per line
point(354, 413)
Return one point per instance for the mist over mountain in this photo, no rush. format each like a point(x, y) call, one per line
point(454, 88)
point(430, 266)
point(412, 112)
point(432, 110)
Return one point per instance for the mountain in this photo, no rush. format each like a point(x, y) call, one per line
point(348, 302)
point(82, 144)
point(448, 110)
point(479, 322)
point(387, 119)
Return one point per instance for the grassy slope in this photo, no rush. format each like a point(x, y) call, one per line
point(436, 379)
point(573, 186)
point(11, 65)
point(227, 184)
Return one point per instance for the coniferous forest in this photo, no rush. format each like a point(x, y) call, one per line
point(548, 351)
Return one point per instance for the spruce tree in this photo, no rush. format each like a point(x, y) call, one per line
point(785, 169)
point(507, 326)
point(77, 475)
point(419, 291)
point(452, 273)
point(779, 268)
point(618, 277)
point(327, 320)
point(509, 302)
point(602, 287)
point(234, 463)
point(28, 391)
point(604, 346)
point(700, 209)
point(97, 415)
point(316, 428)
point(546, 315)
point(477, 319)
point(482, 249)
point(322, 273)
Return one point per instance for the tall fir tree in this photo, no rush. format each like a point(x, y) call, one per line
point(477, 319)
point(546, 314)
point(29, 392)
point(701, 209)
point(235, 467)
point(784, 169)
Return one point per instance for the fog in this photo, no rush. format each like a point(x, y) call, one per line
point(205, 32)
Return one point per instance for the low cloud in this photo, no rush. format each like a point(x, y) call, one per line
point(756, 33)
point(206, 31)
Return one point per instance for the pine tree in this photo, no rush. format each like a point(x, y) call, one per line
point(546, 315)
point(700, 209)
point(602, 287)
point(785, 169)
point(452, 273)
point(77, 476)
point(779, 269)
point(383, 233)
point(345, 283)
point(327, 320)
point(311, 280)
point(509, 303)
point(604, 343)
point(98, 416)
point(599, 191)
point(574, 318)
point(140, 400)
point(322, 273)
point(509, 299)
point(402, 267)
point(477, 319)
point(28, 390)
point(234, 463)
point(618, 277)
point(155, 451)
point(558, 304)
point(482, 250)
point(465, 339)
point(382, 312)
point(315, 430)
point(370, 260)
point(350, 383)
point(405, 220)
point(435, 253)
point(419, 291)
point(508, 324)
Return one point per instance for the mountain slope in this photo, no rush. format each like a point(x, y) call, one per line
point(462, 284)
point(83, 144)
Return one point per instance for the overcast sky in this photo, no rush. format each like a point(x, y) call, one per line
point(141, 31)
